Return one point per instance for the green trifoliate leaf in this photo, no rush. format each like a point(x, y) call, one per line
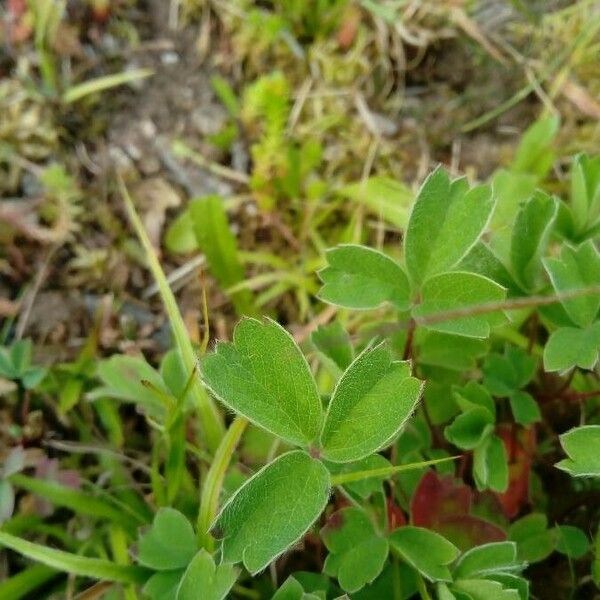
point(511, 190)
point(570, 347)
point(428, 552)
point(169, 544)
point(484, 589)
point(585, 191)
point(386, 585)
point(487, 559)
point(571, 541)
point(445, 223)
point(20, 354)
point(505, 373)
point(203, 579)
point(292, 590)
point(534, 154)
point(483, 261)
point(163, 585)
point(371, 402)
point(524, 408)
point(357, 553)
point(461, 303)
point(490, 466)
point(470, 428)
point(474, 395)
point(577, 269)
point(15, 363)
point(333, 342)
point(360, 277)
point(510, 581)
point(530, 236)
point(272, 510)
point(582, 446)
point(535, 541)
point(263, 376)
point(32, 377)
point(450, 351)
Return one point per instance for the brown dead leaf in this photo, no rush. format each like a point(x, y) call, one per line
point(471, 28)
point(66, 42)
point(22, 216)
point(349, 27)
point(155, 196)
point(8, 308)
point(581, 98)
point(95, 592)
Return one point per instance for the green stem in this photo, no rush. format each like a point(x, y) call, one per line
point(211, 420)
point(182, 150)
point(213, 483)
point(246, 592)
point(26, 581)
point(343, 478)
point(422, 587)
point(397, 579)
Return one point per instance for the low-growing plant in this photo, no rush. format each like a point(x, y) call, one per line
point(398, 456)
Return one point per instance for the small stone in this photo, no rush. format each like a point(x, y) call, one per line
point(169, 58)
point(148, 128)
point(149, 164)
point(120, 160)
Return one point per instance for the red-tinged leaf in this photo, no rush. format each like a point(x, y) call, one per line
point(467, 531)
point(444, 505)
point(49, 469)
point(348, 29)
point(436, 497)
point(395, 515)
point(16, 8)
point(487, 506)
point(101, 11)
point(520, 445)
point(20, 26)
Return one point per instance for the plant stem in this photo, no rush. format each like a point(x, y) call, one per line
point(509, 304)
point(211, 420)
point(182, 150)
point(409, 340)
point(396, 579)
point(343, 478)
point(577, 396)
point(246, 592)
point(422, 587)
point(213, 483)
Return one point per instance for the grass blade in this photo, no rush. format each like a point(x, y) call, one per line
point(343, 478)
point(66, 562)
point(213, 482)
point(26, 581)
point(211, 420)
point(100, 84)
point(78, 501)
